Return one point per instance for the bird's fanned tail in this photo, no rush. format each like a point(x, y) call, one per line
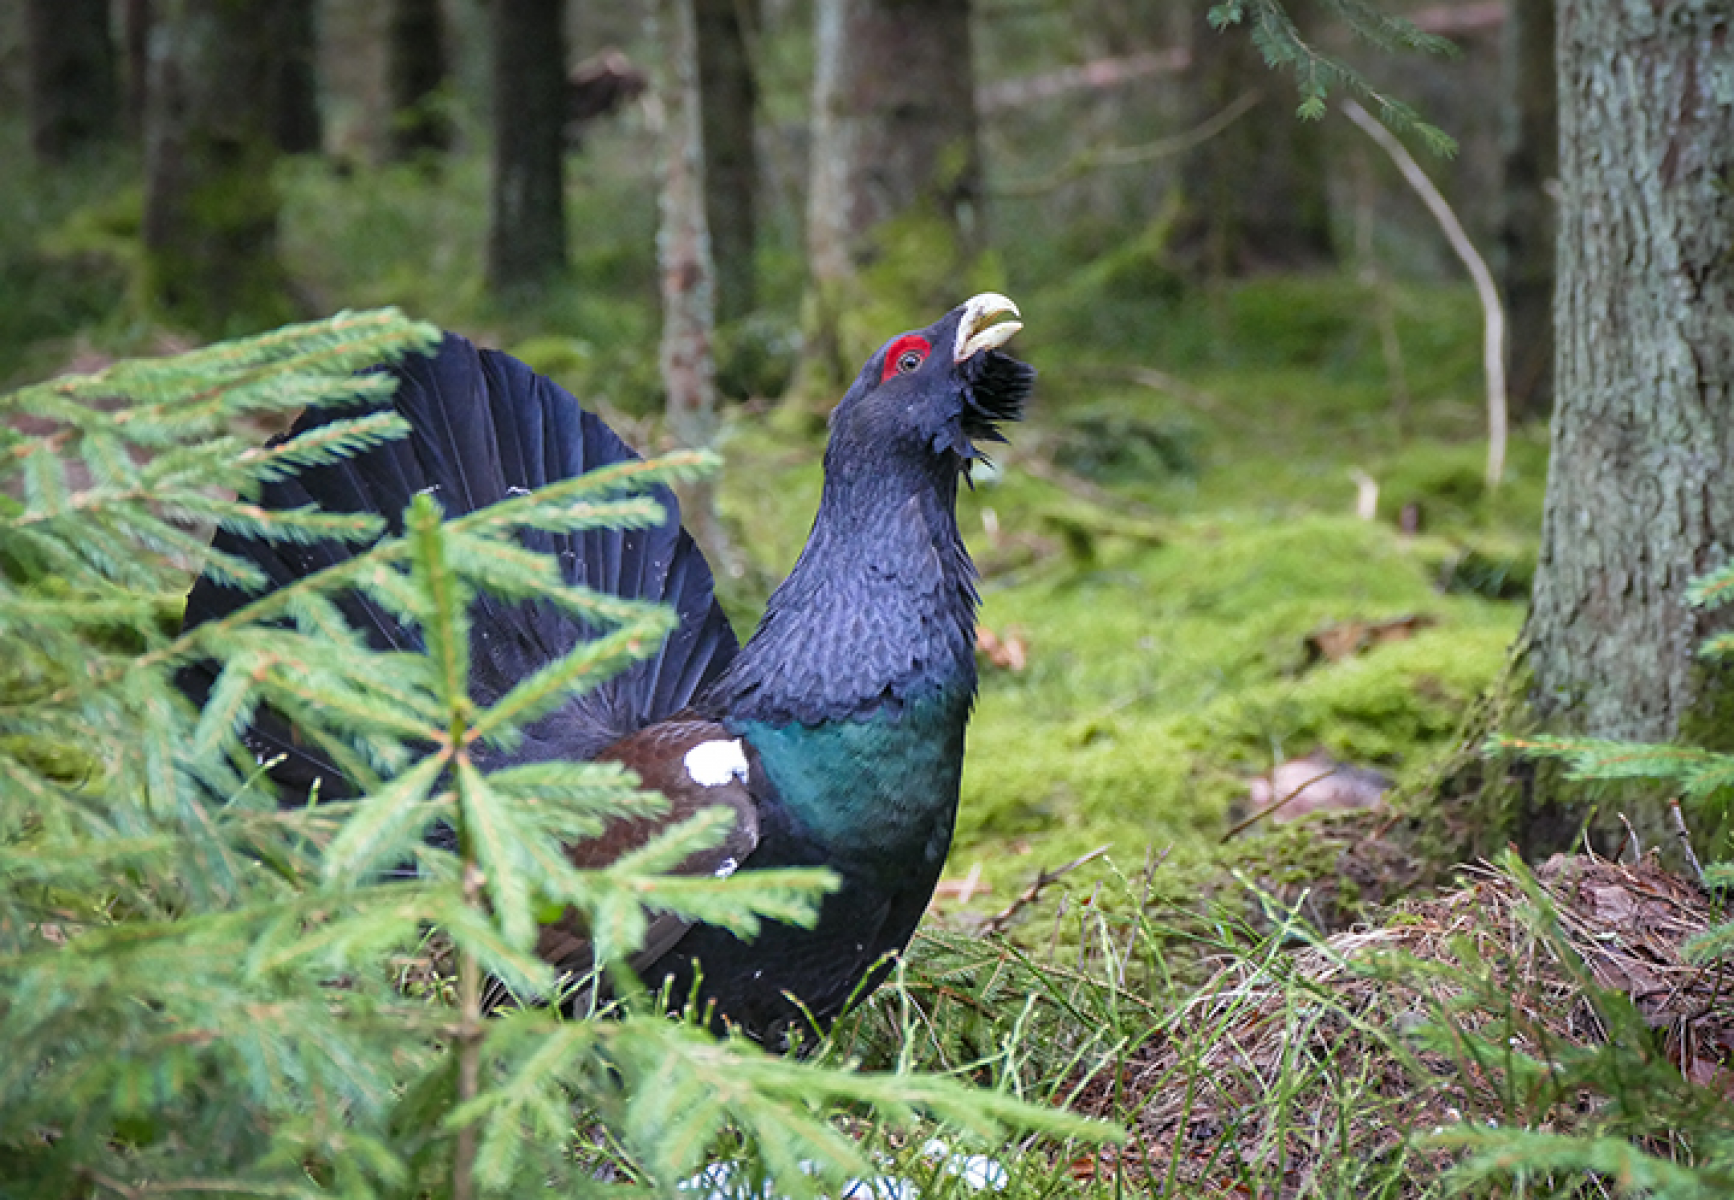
point(485, 427)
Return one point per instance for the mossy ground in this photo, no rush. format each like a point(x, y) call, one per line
point(1165, 601)
point(1172, 521)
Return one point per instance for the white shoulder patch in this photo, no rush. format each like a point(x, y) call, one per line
point(712, 764)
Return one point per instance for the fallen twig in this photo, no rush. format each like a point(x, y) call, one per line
point(1268, 809)
point(1094, 494)
point(998, 922)
point(1631, 839)
point(1685, 839)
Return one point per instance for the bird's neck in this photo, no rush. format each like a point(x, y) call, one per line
point(878, 613)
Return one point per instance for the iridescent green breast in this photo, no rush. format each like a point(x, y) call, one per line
point(880, 789)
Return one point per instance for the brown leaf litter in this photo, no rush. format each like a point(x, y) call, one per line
point(1334, 643)
point(1336, 1039)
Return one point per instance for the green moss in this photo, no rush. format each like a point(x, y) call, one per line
point(1163, 680)
point(1164, 599)
point(1165, 625)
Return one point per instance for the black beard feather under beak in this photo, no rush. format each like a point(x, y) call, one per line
point(996, 387)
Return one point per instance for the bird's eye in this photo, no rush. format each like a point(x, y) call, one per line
point(905, 354)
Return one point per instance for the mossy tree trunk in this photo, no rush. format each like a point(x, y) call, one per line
point(210, 221)
point(894, 139)
point(1639, 497)
point(416, 71)
point(527, 217)
point(729, 93)
point(1255, 191)
point(1530, 164)
point(72, 80)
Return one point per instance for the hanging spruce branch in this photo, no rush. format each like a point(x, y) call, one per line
point(1317, 74)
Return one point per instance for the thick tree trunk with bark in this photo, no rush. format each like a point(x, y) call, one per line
point(1530, 161)
point(527, 218)
point(416, 70)
point(894, 137)
point(299, 128)
point(728, 90)
point(1639, 498)
point(1255, 192)
point(72, 88)
point(210, 222)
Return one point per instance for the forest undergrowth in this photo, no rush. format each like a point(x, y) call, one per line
point(1229, 540)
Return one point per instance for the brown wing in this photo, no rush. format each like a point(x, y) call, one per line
point(696, 765)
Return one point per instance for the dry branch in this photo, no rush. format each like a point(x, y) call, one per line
point(1493, 339)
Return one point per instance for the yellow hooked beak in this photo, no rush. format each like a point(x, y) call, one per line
point(979, 330)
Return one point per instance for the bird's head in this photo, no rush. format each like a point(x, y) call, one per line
point(942, 390)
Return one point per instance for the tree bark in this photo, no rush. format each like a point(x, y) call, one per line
point(1530, 162)
point(73, 96)
point(527, 218)
point(1255, 194)
point(136, 33)
point(1638, 498)
point(728, 91)
point(210, 222)
point(683, 251)
point(894, 137)
point(299, 129)
point(416, 71)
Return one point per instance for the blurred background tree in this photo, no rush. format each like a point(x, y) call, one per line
point(527, 219)
point(73, 97)
point(1529, 194)
point(417, 74)
point(728, 39)
point(893, 151)
point(215, 118)
point(1255, 192)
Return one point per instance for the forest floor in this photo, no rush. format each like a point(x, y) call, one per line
point(1238, 546)
point(1179, 595)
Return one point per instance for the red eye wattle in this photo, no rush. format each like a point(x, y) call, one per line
point(904, 355)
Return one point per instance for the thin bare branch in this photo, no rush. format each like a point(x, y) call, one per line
point(1493, 337)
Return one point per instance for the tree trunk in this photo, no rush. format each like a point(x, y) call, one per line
point(1255, 193)
point(894, 140)
point(136, 27)
point(416, 72)
point(210, 222)
point(1530, 160)
point(527, 218)
point(729, 97)
point(299, 130)
point(684, 257)
point(1638, 496)
point(73, 97)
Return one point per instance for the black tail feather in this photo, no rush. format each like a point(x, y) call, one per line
point(484, 426)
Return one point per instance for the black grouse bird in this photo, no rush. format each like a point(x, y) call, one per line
point(836, 733)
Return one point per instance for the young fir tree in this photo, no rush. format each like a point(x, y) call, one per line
point(202, 992)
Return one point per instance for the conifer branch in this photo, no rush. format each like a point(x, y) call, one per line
point(192, 971)
point(1318, 74)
